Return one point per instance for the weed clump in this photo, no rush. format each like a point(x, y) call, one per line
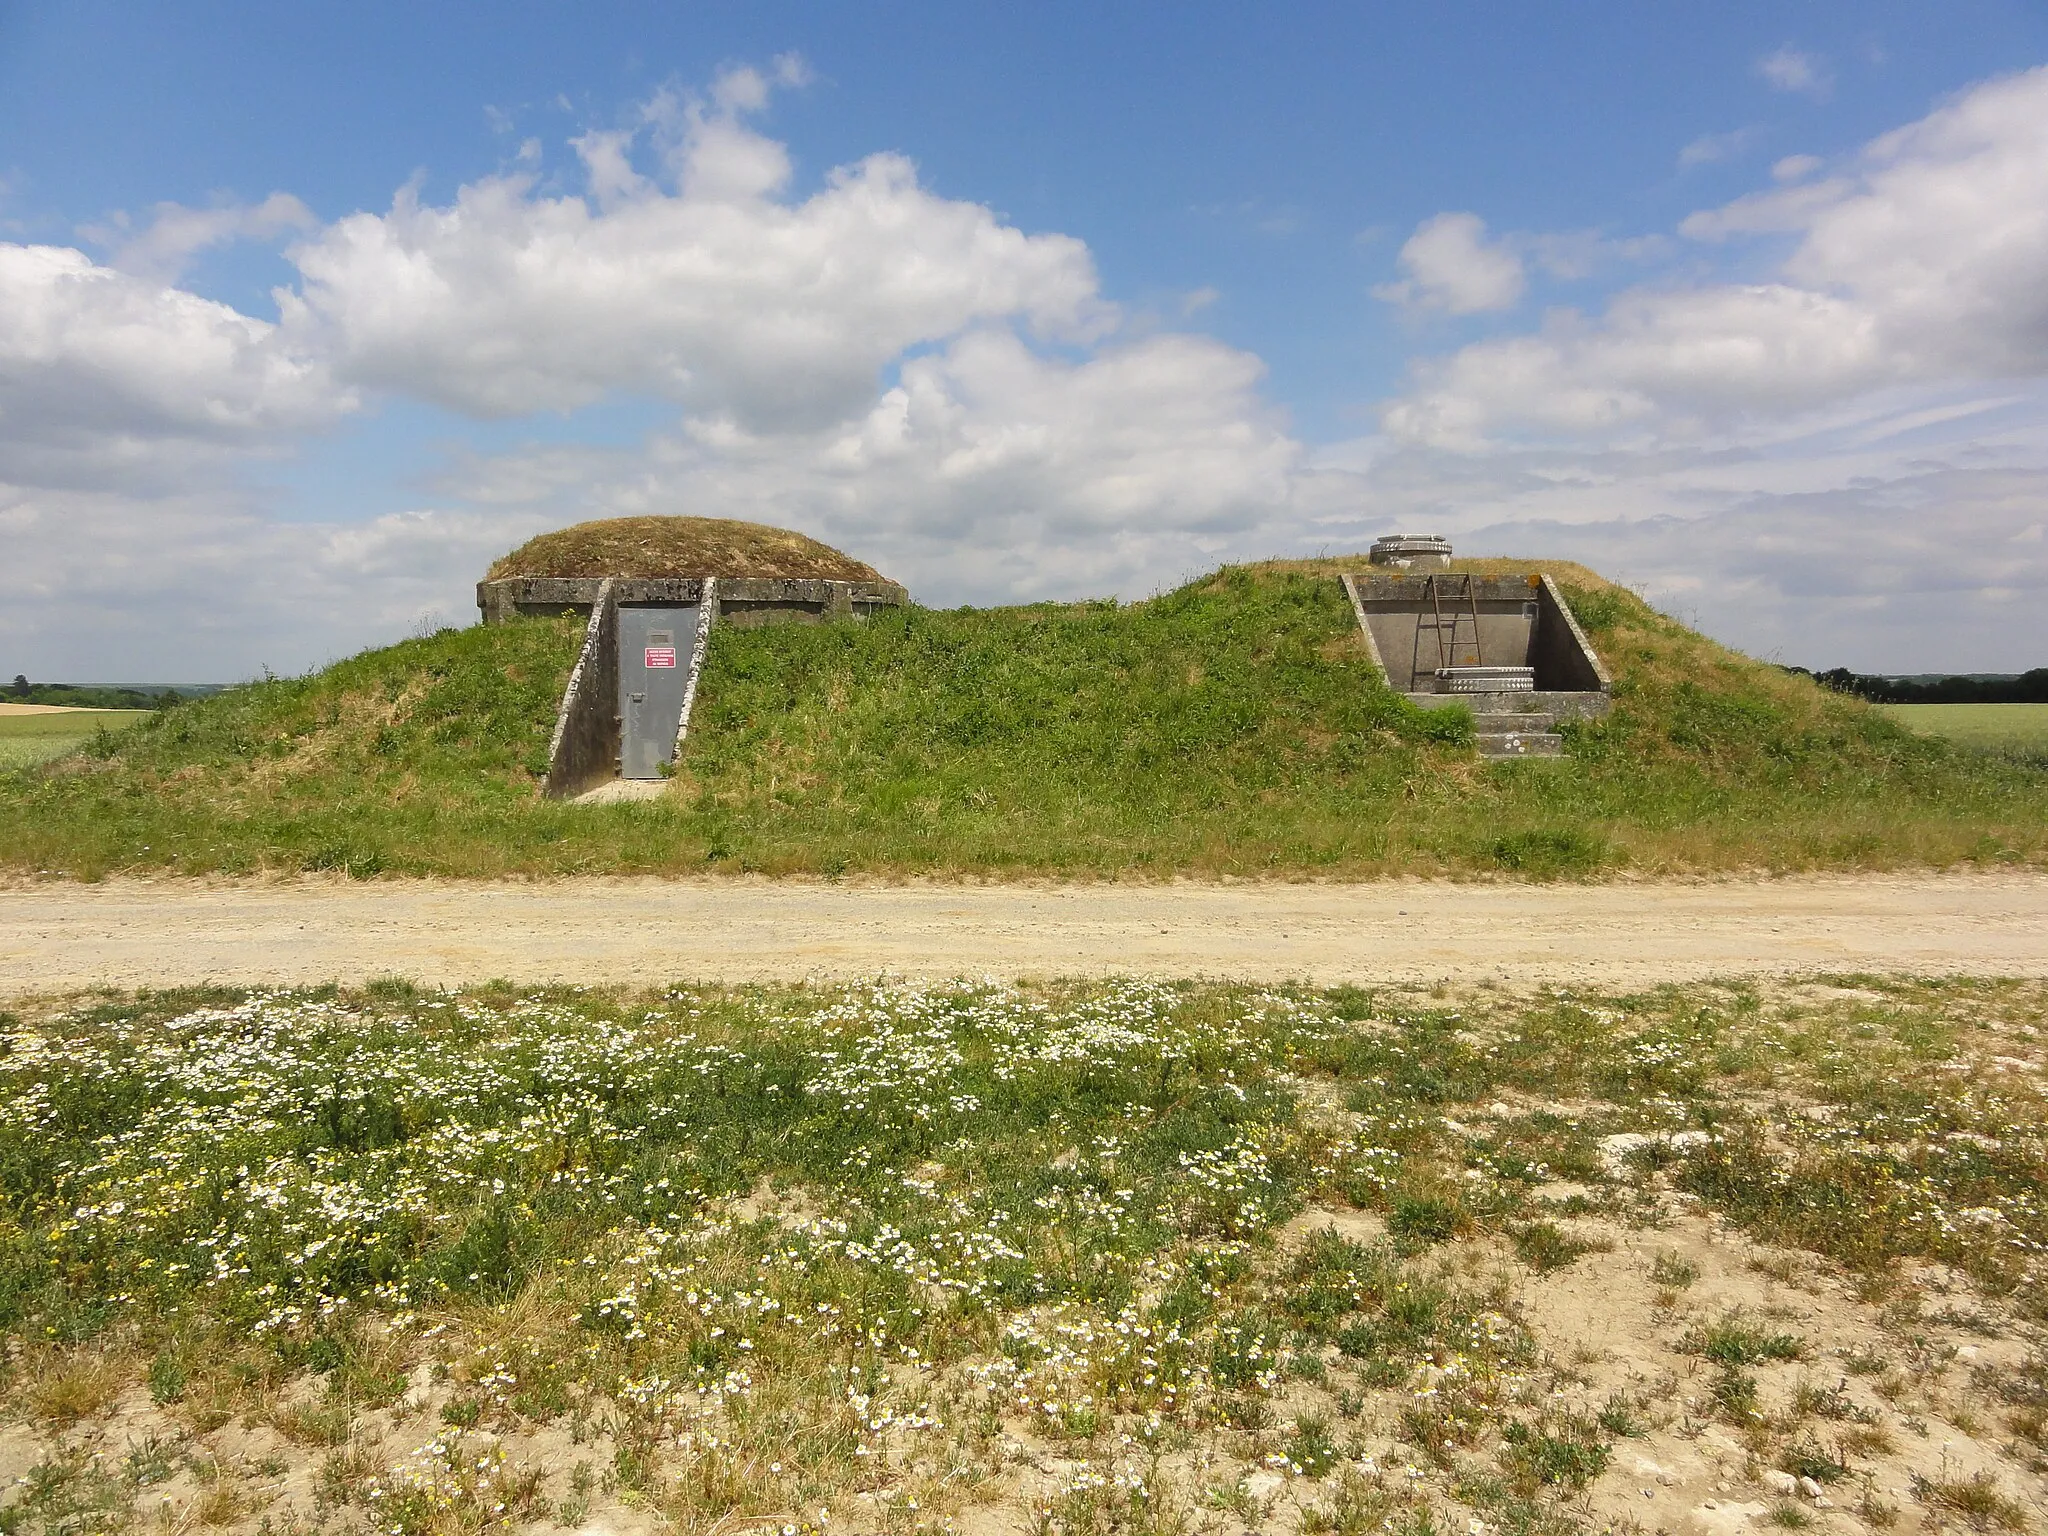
point(1976, 1500)
point(1738, 1340)
point(1568, 1454)
point(1549, 852)
point(1670, 1269)
point(1545, 1247)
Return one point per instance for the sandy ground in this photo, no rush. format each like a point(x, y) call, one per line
point(45, 709)
point(166, 932)
point(1604, 1324)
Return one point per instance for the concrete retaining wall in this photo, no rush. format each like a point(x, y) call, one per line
point(1562, 651)
point(700, 647)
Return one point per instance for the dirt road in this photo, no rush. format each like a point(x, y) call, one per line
point(168, 932)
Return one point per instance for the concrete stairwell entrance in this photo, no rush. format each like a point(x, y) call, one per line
point(1529, 663)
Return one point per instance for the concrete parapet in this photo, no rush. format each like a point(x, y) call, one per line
point(707, 607)
point(741, 600)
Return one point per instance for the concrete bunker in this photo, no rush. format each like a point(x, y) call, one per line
point(652, 588)
point(1505, 646)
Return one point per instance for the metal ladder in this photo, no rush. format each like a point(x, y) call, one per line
point(1450, 627)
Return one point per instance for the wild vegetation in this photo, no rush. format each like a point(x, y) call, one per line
point(1112, 1257)
point(1232, 727)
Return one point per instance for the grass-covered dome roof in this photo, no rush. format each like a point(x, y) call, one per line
point(658, 547)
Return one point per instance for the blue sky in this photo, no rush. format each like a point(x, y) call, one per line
point(1731, 302)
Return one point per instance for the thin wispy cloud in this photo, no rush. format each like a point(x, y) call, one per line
point(162, 245)
point(1792, 70)
point(1712, 148)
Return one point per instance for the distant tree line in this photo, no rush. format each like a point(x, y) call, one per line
point(90, 697)
point(2026, 688)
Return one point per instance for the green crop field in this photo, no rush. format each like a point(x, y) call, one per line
point(1978, 725)
point(26, 740)
point(1232, 727)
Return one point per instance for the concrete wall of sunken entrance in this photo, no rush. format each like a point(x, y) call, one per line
point(1524, 621)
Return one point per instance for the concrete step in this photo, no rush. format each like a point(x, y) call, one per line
point(1500, 746)
point(1508, 721)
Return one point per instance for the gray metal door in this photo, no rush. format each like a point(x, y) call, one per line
point(656, 641)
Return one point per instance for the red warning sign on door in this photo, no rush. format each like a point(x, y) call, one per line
point(661, 656)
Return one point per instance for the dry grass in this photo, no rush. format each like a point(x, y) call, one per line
point(72, 1387)
point(1975, 1500)
point(655, 547)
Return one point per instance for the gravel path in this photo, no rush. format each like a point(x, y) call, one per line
point(166, 932)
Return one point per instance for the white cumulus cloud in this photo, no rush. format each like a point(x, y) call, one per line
point(902, 372)
point(1926, 261)
point(990, 471)
point(1451, 266)
point(692, 279)
point(113, 379)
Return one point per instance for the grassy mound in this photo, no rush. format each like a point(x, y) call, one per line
point(1233, 727)
point(1230, 727)
point(657, 547)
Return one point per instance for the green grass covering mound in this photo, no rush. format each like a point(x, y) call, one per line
point(1233, 727)
point(421, 756)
